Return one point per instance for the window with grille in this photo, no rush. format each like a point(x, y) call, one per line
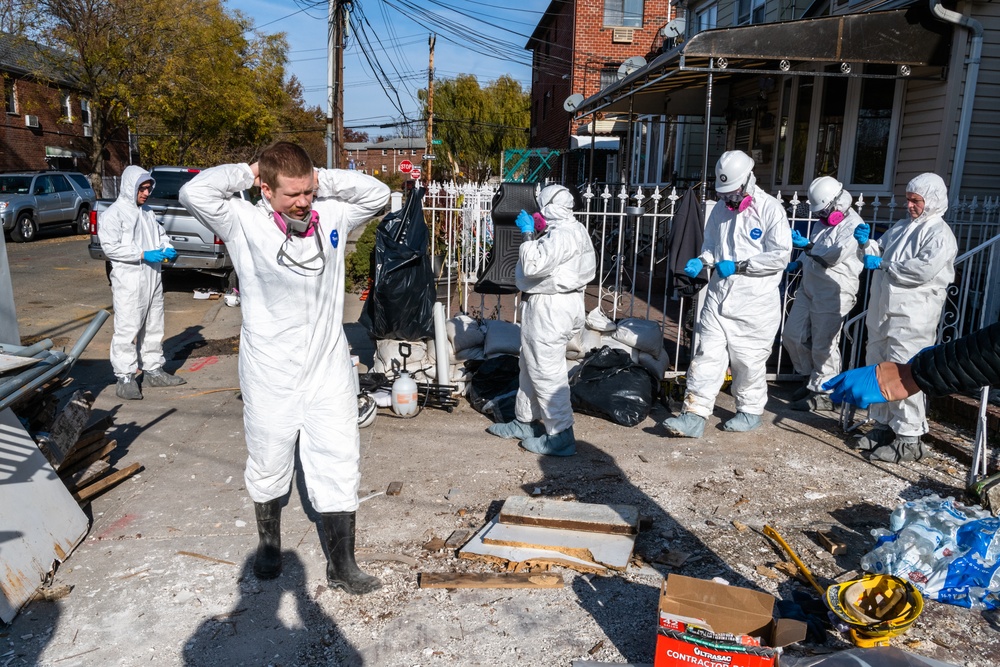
point(623, 13)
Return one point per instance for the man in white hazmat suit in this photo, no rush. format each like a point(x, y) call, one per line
point(137, 246)
point(912, 264)
point(748, 243)
point(830, 263)
point(552, 271)
point(295, 364)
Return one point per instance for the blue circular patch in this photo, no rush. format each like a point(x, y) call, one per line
point(335, 238)
point(756, 233)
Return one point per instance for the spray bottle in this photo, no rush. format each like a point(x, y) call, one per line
point(404, 389)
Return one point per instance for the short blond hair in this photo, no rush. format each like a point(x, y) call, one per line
point(283, 158)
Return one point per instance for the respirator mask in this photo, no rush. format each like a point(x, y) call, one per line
point(830, 215)
point(737, 200)
point(303, 229)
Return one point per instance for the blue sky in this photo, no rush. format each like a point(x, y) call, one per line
point(397, 31)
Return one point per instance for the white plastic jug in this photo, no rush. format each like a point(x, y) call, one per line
point(404, 395)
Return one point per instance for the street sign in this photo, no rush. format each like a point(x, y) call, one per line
point(415, 174)
point(429, 157)
point(435, 142)
point(406, 166)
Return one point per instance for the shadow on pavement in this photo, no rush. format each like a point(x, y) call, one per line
point(272, 622)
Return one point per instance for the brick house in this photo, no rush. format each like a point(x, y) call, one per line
point(383, 157)
point(45, 122)
point(578, 48)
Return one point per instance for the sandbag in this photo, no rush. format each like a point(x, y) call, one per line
point(657, 366)
point(643, 335)
point(502, 338)
point(590, 339)
point(464, 332)
point(493, 386)
point(608, 384)
point(598, 321)
point(609, 341)
point(388, 359)
point(574, 348)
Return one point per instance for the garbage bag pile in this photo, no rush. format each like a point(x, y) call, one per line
point(641, 339)
point(949, 551)
point(609, 384)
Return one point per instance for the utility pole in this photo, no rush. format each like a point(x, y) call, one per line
point(335, 83)
point(430, 110)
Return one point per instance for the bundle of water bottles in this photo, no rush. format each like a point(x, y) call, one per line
point(948, 550)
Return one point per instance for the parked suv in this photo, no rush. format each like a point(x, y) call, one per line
point(31, 199)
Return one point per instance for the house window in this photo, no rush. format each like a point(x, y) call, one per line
point(841, 127)
point(705, 18)
point(383, 155)
point(9, 96)
point(384, 170)
point(66, 108)
point(413, 152)
point(85, 111)
point(749, 11)
point(609, 75)
point(623, 13)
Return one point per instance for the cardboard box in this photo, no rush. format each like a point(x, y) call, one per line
point(713, 625)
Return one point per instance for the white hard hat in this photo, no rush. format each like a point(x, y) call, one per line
point(732, 171)
point(824, 191)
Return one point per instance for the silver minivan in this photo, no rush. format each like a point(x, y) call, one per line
point(30, 200)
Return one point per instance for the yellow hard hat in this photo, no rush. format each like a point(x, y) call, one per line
point(875, 608)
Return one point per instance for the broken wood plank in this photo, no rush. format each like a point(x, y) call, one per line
point(503, 580)
point(611, 551)
point(68, 426)
point(88, 492)
point(95, 454)
point(84, 476)
point(395, 488)
point(831, 543)
point(456, 539)
point(85, 441)
point(519, 558)
point(612, 519)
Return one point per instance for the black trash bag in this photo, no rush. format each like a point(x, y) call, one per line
point(493, 387)
point(400, 305)
point(608, 384)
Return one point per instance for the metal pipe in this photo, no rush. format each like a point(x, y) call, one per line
point(100, 317)
point(708, 135)
point(29, 351)
point(15, 385)
point(969, 95)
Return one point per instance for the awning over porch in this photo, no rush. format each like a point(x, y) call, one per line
point(907, 38)
point(59, 151)
point(600, 143)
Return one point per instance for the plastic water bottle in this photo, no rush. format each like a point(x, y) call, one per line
point(404, 395)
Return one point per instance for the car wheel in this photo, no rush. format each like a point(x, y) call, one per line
point(83, 221)
point(25, 229)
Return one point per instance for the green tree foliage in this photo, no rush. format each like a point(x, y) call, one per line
point(357, 268)
point(476, 124)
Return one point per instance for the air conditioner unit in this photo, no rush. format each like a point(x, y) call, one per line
point(622, 35)
point(30, 121)
point(88, 131)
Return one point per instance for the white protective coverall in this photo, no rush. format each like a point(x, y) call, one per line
point(295, 365)
point(552, 271)
point(741, 313)
point(828, 291)
point(126, 230)
point(908, 294)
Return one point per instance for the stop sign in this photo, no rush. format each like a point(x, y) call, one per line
point(406, 166)
point(415, 173)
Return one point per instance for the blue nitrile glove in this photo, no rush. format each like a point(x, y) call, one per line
point(798, 240)
point(793, 267)
point(862, 233)
point(726, 268)
point(525, 222)
point(693, 267)
point(872, 262)
point(153, 256)
point(858, 387)
point(170, 253)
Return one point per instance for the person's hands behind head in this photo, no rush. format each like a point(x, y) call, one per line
point(255, 170)
point(525, 222)
point(862, 233)
point(726, 268)
point(693, 267)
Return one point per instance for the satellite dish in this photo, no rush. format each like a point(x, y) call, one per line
point(572, 102)
point(630, 65)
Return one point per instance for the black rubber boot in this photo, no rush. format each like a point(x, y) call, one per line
point(341, 569)
point(267, 563)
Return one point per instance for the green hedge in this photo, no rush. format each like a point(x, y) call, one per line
point(358, 267)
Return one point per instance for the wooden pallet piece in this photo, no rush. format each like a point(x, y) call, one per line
point(612, 519)
point(611, 551)
point(519, 558)
point(89, 492)
point(87, 475)
point(503, 580)
point(94, 455)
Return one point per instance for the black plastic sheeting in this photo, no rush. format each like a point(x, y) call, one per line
point(493, 387)
point(400, 304)
point(608, 384)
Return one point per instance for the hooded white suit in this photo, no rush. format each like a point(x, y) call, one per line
point(908, 293)
point(828, 291)
point(295, 364)
point(126, 230)
point(552, 271)
point(742, 313)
